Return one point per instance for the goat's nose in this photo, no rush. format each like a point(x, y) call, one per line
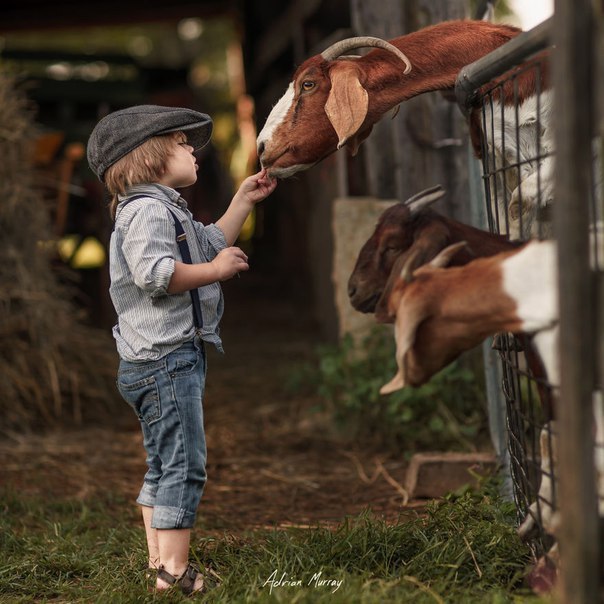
point(260, 148)
point(352, 290)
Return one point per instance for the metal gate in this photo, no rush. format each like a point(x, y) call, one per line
point(521, 176)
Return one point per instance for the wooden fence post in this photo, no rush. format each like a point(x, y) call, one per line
point(574, 86)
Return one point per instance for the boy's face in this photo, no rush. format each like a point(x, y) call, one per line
point(181, 165)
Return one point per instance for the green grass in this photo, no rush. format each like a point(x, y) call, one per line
point(464, 550)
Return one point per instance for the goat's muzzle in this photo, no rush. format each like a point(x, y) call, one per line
point(365, 305)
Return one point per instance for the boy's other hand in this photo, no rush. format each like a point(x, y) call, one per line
point(229, 262)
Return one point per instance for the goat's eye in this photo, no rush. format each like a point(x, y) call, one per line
point(307, 85)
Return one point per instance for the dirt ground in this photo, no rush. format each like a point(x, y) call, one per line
point(270, 462)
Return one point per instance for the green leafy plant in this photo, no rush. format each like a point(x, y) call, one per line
point(448, 412)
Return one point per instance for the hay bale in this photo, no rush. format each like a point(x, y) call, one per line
point(54, 369)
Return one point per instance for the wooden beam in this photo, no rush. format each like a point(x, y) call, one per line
point(281, 33)
point(23, 15)
point(384, 20)
point(573, 80)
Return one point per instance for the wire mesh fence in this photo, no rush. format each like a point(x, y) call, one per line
point(512, 152)
point(510, 97)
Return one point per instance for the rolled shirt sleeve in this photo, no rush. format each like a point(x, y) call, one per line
point(148, 248)
point(211, 238)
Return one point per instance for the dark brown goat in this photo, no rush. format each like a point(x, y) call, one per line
point(412, 230)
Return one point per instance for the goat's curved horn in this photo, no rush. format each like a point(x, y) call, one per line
point(410, 265)
point(444, 257)
point(339, 48)
point(424, 198)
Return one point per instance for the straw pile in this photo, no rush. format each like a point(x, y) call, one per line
point(54, 369)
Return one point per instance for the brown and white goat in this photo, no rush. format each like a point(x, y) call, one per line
point(335, 100)
point(442, 312)
point(411, 229)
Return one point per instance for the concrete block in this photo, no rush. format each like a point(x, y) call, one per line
point(353, 221)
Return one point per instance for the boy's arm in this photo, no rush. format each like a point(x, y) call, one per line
point(227, 264)
point(252, 190)
point(231, 260)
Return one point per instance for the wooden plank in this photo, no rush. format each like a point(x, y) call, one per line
point(383, 20)
point(282, 33)
point(424, 143)
point(23, 15)
point(599, 104)
point(578, 534)
point(443, 156)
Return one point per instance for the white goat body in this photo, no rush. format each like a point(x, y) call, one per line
point(520, 145)
point(521, 150)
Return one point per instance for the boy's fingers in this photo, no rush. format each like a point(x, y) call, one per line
point(267, 182)
point(240, 253)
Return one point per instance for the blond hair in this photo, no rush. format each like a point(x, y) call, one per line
point(144, 164)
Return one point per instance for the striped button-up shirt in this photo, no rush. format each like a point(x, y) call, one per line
point(143, 249)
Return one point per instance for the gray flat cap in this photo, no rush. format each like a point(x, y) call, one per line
point(122, 131)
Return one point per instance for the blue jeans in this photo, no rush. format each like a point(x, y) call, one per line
point(167, 395)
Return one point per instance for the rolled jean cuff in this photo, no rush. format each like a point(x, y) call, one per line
point(165, 517)
point(147, 495)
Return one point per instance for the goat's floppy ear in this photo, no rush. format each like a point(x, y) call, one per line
point(444, 257)
point(347, 104)
point(354, 142)
point(410, 314)
point(424, 198)
point(396, 383)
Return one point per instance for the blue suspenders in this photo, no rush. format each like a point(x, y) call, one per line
point(181, 240)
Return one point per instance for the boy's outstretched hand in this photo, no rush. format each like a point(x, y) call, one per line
point(252, 190)
point(257, 187)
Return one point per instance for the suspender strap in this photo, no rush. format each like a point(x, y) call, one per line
point(181, 240)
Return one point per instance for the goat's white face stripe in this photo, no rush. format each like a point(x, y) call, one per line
point(277, 115)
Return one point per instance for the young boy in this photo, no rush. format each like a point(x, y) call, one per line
point(167, 306)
